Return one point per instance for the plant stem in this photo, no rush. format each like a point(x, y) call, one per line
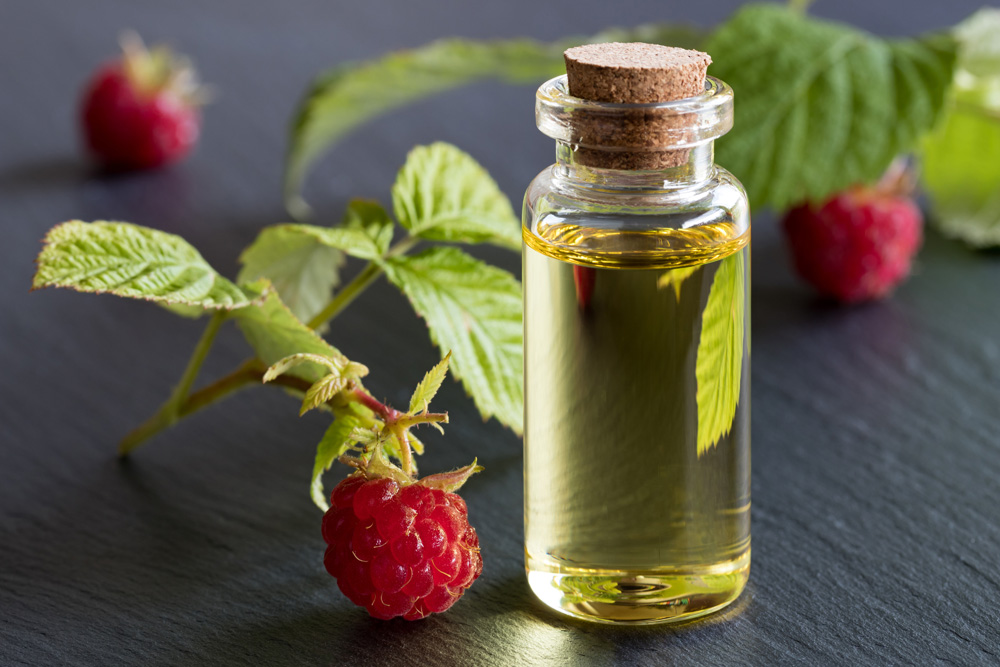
point(344, 297)
point(384, 412)
point(248, 373)
point(351, 290)
point(170, 411)
point(182, 403)
point(183, 387)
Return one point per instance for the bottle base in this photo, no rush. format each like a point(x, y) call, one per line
point(640, 598)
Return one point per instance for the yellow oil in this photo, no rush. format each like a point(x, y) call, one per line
point(625, 522)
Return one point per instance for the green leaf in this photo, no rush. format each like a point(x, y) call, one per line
point(184, 310)
point(452, 481)
point(348, 95)
point(429, 386)
point(719, 360)
point(961, 158)
point(336, 441)
point(356, 242)
point(275, 333)
point(321, 392)
point(474, 310)
point(675, 278)
point(338, 365)
point(819, 105)
point(303, 270)
point(442, 194)
point(369, 215)
point(136, 262)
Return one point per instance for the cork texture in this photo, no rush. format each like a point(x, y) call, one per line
point(633, 73)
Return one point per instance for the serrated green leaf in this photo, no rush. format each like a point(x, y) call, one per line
point(348, 95)
point(303, 270)
point(428, 387)
point(474, 310)
point(364, 239)
point(719, 360)
point(334, 364)
point(321, 392)
point(137, 262)
point(961, 158)
point(184, 310)
point(370, 216)
point(339, 437)
point(675, 278)
point(819, 105)
point(442, 194)
point(275, 333)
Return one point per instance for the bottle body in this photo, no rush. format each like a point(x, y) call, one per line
point(637, 376)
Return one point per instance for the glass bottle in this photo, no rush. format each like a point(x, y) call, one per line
point(637, 374)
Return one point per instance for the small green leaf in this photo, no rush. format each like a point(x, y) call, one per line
point(136, 262)
point(348, 95)
point(675, 278)
point(303, 270)
point(335, 364)
point(961, 158)
point(429, 386)
point(719, 360)
point(442, 194)
point(474, 310)
point(339, 437)
point(321, 392)
point(822, 106)
point(370, 216)
point(452, 481)
point(364, 242)
point(275, 333)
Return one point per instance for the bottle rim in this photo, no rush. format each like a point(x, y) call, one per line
point(656, 126)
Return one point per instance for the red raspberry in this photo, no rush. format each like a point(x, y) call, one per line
point(141, 111)
point(406, 551)
point(856, 246)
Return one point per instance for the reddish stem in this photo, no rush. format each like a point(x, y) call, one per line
point(381, 409)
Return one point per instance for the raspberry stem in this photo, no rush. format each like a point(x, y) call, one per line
point(397, 423)
point(182, 403)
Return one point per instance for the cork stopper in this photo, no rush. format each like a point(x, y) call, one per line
point(633, 73)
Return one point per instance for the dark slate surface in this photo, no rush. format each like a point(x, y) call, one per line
point(875, 428)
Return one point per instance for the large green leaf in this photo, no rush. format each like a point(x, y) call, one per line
point(820, 105)
point(474, 310)
point(137, 262)
point(442, 194)
point(350, 94)
point(961, 158)
point(719, 360)
point(275, 333)
point(303, 270)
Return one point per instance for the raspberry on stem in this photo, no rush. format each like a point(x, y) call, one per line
point(409, 578)
point(397, 545)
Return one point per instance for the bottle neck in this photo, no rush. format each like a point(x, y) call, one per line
point(695, 168)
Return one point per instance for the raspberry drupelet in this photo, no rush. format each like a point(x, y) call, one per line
point(399, 550)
